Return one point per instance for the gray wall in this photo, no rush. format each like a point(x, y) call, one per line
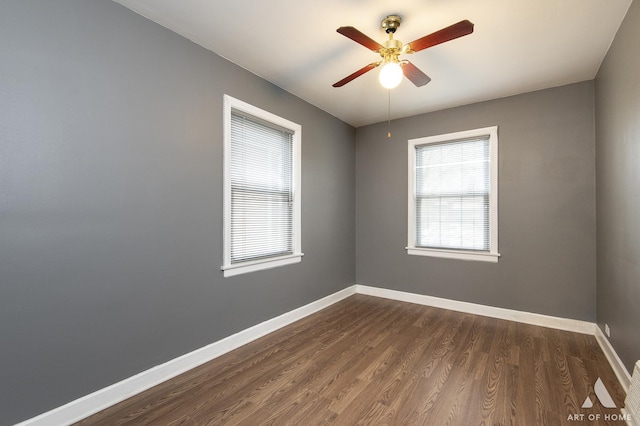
point(111, 201)
point(618, 185)
point(546, 207)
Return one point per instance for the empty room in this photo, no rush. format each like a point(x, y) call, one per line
point(343, 212)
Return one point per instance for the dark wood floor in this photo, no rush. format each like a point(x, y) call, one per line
point(367, 360)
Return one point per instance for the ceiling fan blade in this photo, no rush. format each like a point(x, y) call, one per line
point(414, 74)
point(451, 32)
point(358, 37)
point(356, 74)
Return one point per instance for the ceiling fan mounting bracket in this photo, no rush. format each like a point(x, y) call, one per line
point(391, 23)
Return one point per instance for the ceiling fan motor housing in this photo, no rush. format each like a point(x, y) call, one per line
point(392, 44)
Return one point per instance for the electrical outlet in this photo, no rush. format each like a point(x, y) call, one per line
point(607, 330)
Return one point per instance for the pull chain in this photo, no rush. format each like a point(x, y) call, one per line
point(389, 122)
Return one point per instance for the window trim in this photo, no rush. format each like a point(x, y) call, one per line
point(228, 268)
point(487, 256)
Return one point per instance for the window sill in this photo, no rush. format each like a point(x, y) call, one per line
point(257, 265)
point(455, 254)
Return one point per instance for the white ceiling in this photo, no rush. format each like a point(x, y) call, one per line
point(517, 46)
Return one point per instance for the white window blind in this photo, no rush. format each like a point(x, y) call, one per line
point(262, 190)
point(453, 195)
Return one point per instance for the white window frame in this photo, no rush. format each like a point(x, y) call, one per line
point(228, 268)
point(492, 254)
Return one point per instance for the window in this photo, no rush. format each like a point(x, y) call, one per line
point(261, 189)
point(453, 195)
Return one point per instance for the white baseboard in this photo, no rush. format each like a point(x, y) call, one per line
point(616, 364)
point(630, 419)
point(577, 326)
point(97, 401)
point(566, 324)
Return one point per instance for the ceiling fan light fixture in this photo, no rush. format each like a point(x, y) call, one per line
point(393, 69)
point(390, 75)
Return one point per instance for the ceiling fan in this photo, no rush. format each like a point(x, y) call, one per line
point(393, 68)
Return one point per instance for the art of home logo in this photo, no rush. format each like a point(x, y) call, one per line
point(604, 398)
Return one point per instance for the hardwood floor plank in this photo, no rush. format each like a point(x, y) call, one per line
point(367, 360)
